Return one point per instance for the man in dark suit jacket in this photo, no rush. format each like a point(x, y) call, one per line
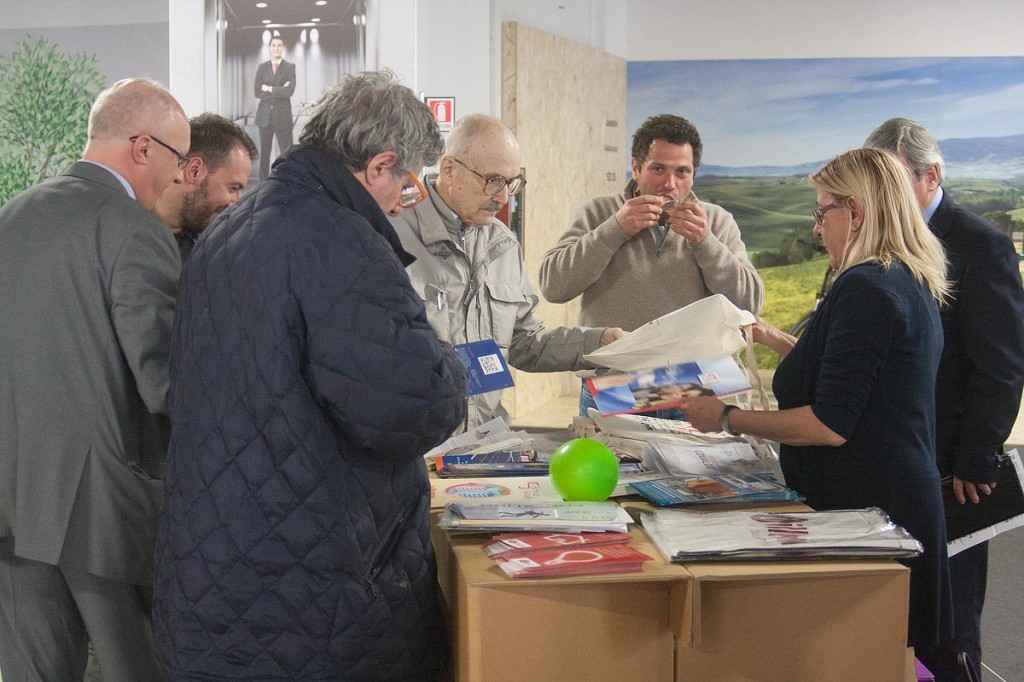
point(275, 84)
point(88, 280)
point(981, 374)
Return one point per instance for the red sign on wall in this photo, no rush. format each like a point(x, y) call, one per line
point(443, 109)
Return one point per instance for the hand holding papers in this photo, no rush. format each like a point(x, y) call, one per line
point(664, 387)
point(706, 329)
point(485, 365)
point(970, 524)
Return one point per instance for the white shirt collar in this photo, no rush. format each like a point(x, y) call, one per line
point(929, 211)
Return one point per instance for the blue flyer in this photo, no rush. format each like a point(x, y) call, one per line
point(486, 366)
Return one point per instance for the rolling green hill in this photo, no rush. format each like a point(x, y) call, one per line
point(790, 291)
point(766, 209)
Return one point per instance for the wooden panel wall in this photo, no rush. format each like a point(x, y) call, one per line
point(566, 102)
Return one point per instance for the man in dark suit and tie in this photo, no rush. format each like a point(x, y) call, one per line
point(275, 84)
point(88, 281)
point(981, 374)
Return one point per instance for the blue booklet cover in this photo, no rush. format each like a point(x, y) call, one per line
point(486, 366)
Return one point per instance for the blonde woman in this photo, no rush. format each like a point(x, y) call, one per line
point(857, 390)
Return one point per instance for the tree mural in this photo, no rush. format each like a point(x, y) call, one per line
point(45, 96)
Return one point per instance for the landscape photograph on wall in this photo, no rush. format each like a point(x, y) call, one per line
point(767, 123)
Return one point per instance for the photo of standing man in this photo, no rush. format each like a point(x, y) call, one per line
point(275, 84)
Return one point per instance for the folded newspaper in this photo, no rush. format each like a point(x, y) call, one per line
point(691, 536)
point(561, 517)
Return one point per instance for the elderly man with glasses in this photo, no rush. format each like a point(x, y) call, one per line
point(469, 266)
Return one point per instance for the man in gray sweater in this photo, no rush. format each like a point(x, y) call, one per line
point(654, 248)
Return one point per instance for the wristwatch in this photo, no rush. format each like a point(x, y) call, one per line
point(724, 423)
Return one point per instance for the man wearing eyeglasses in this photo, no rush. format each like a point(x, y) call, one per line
point(469, 266)
point(88, 280)
point(216, 172)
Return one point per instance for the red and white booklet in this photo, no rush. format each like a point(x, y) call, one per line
point(504, 543)
point(572, 560)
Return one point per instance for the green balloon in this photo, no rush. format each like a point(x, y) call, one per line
point(584, 470)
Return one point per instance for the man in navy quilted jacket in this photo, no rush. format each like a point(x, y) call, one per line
point(306, 383)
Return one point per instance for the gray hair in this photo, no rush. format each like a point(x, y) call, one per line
point(129, 107)
point(911, 141)
point(371, 113)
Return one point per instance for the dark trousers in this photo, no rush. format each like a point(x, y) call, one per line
point(960, 660)
point(284, 143)
point(48, 615)
point(969, 574)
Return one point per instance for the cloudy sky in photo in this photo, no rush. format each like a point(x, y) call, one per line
point(790, 111)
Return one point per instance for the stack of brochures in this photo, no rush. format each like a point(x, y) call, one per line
point(691, 536)
point(738, 488)
point(502, 461)
point(608, 558)
point(535, 555)
point(557, 517)
point(506, 544)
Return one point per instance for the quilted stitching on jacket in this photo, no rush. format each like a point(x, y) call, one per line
point(305, 384)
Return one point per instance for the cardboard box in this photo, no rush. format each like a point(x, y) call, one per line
point(819, 621)
point(595, 628)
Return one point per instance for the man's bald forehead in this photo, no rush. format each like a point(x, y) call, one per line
point(131, 106)
point(471, 130)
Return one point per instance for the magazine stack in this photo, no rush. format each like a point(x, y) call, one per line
point(557, 517)
point(693, 536)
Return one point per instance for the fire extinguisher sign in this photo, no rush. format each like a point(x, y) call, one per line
point(443, 109)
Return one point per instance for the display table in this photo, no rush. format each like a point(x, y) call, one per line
point(818, 621)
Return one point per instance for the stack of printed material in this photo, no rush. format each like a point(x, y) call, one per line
point(513, 460)
point(534, 555)
point(737, 488)
point(643, 427)
point(557, 517)
point(507, 544)
point(691, 536)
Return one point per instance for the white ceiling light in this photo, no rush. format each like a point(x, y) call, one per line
point(315, 19)
point(320, 3)
point(265, 21)
point(261, 5)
